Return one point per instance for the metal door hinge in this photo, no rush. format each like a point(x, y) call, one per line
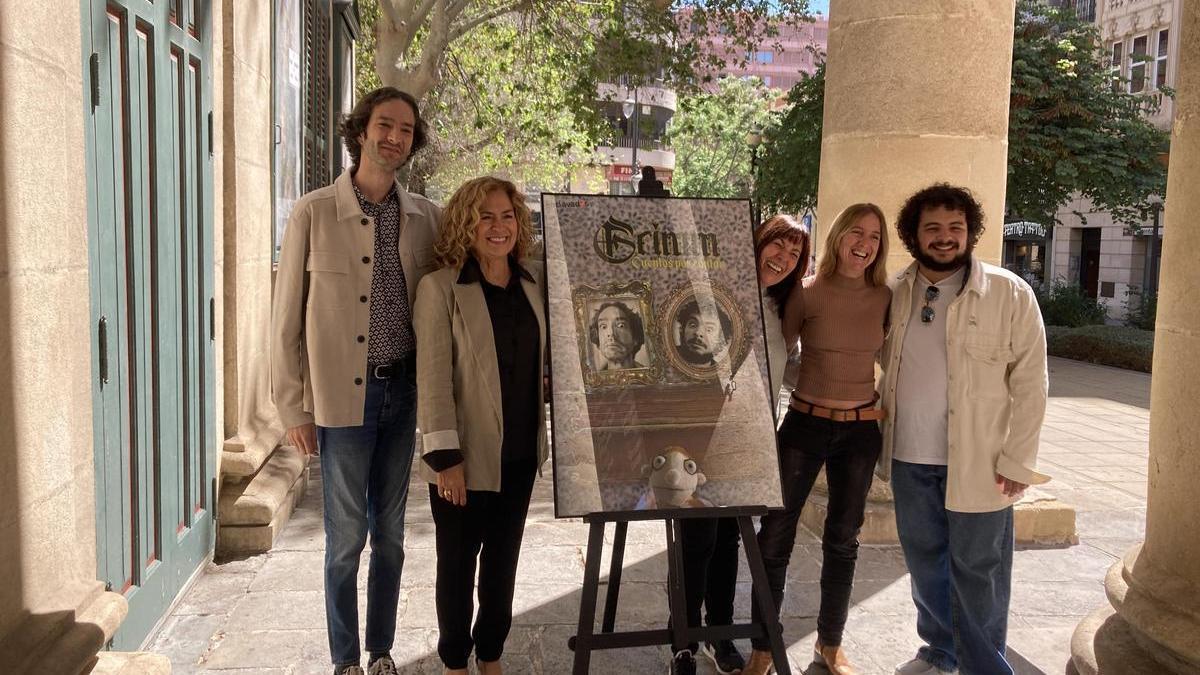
point(212, 320)
point(102, 348)
point(94, 75)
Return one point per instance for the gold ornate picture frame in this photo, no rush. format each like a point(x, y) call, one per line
point(699, 358)
point(633, 299)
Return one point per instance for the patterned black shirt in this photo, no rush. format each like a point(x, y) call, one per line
point(390, 337)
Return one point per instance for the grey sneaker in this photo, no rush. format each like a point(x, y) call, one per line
point(919, 666)
point(383, 665)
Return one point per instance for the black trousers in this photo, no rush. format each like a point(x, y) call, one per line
point(487, 530)
point(710, 569)
point(848, 451)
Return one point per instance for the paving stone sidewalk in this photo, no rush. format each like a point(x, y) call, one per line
point(265, 614)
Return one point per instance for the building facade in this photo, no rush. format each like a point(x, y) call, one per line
point(137, 150)
point(780, 61)
point(1111, 261)
point(638, 116)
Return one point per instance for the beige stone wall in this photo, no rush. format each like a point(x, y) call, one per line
point(245, 132)
point(909, 102)
point(47, 512)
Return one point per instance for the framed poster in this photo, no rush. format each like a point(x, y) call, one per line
point(658, 360)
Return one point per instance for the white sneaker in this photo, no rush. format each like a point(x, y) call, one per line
point(919, 666)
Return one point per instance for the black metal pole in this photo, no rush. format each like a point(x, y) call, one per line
point(637, 132)
point(1154, 251)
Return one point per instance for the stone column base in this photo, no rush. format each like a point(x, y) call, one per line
point(1039, 519)
point(1104, 644)
point(1153, 625)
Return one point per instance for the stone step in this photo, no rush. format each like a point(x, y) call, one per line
point(131, 663)
point(1038, 519)
point(241, 460)
point(256, 500)
point(69, 642)
point(254, 512)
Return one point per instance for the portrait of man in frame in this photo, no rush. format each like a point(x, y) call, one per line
point(616, 325)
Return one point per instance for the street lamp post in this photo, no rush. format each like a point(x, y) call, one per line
point(630, 110)
point(754, 140)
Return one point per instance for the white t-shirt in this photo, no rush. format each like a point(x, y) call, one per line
point(921, 430)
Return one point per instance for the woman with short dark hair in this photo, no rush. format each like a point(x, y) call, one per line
point(711, 544)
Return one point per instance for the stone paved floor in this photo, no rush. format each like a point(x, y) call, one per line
point(266, 614)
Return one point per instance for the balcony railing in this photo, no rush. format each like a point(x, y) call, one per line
point(626, 141)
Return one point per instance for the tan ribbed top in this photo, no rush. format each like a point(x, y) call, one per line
point(840, 322)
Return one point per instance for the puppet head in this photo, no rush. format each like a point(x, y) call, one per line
point(673, 476)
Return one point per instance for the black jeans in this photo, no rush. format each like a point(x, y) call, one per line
point(848, 451)
point(488, 529)
point(710, 568)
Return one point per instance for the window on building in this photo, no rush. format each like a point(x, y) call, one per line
point(764, 57)
point(304, 147)
point(1114, 65)
point(1160, 60)
point(1085, 9)
point(1137, 64)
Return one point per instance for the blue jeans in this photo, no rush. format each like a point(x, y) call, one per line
point(365, 473)
point(961, 567)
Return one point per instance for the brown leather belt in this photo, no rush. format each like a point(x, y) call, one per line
point(835, 415)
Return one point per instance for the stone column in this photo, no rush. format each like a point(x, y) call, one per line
point(1153, 625)
point(916, 92)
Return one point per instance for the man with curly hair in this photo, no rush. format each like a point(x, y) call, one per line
point(704, 330)
point(343, 368)
point(965, 384)
point(617, 333)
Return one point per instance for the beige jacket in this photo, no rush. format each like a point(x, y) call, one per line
point(322, 304)
point(997, 384)
point(458, 376)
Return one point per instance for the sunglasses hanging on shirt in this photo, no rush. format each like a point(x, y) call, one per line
point(927, 313)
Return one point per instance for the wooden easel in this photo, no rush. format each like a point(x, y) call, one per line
point(679, 633)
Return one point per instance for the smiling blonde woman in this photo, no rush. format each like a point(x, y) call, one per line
point(481, 337)
point(832, 422)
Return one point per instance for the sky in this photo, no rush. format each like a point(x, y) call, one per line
point(819, 7)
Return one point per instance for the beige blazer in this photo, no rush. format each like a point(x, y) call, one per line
point(322, 311)
point(458, 376)
point(997, 384)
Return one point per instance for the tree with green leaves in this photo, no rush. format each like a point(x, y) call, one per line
point(1072, 128)
point(512, 85)
point(1071, 131)
point(791, 160)
point(709, 132)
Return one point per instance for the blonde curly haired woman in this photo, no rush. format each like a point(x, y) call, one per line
point(481, 334)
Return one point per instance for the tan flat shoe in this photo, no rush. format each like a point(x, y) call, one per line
point(759, 664)
point(834, 659)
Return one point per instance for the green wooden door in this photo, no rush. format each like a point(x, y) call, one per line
point(148, 128)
